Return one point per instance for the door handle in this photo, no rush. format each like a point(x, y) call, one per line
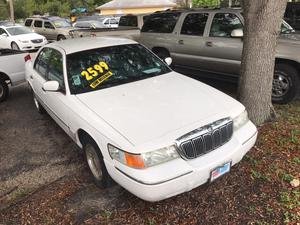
point(31, 77)
point(209, 44)
point(181, 42)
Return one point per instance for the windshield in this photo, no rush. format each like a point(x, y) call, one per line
point(61, 23)
point(111, 66)
point(18, 30)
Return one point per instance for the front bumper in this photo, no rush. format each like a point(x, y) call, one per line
point(178, 176)
point(31, 46)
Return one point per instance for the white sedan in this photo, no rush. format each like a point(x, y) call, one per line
point(154, 131)
point(20, 38)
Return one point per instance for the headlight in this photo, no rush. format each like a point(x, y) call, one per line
point(143, 160)
point(240, 120)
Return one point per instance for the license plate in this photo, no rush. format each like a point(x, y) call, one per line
point(220, 171)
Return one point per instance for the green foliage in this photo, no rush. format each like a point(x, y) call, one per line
point(206, 3)
point(26, 8)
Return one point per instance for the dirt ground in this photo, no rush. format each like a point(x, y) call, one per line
point(44, 180)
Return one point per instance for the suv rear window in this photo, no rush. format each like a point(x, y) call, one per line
point(28, 23)
point(130, 21)
point(161, 22)
point(194, 24)
point(38, 23)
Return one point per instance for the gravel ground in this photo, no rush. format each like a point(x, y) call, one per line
point(34, 150)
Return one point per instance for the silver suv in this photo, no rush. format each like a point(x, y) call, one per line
point(53, 28)
point(211, 40)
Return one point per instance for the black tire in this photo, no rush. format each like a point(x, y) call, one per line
point(161, 53)
point(61, 37)
point(285, 83)
point(4, 90)
point(14, 46)
point(94, 160)
point(38, 105)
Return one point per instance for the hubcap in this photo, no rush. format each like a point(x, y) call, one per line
point(281, 84)
point(93, 161)
point(37, 104)
point(1, 91)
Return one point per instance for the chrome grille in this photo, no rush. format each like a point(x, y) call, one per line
point(36, 41)
point(205, 139)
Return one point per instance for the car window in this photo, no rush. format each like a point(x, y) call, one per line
point(106, 22)
point(113, 21)
point(130, 21)
point(42, 62)
point(100, 68)
point(55, 68)
point(2, 31)
point(223, 24)
point(194, 24)
point(48, 25)
point(38, 23)
point(161, 22)
point(28, 23)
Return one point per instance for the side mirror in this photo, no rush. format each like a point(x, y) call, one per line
point(237, 33)
point(168, 60)
point(52, 86)
point(4, 35)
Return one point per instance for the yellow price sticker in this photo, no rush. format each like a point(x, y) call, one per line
point(101, 79)
point(94, 71)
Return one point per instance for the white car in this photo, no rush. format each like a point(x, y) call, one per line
point(12, 70)
point(20, 37)
point(154, 131)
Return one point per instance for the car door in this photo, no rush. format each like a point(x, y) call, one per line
point(49, 67)
point(191, 40)
point(49, 31)
point(222, 51)
point(38, 27)
point(4, 39)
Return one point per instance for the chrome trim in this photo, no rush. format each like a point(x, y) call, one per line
point(200, 133)
point(157, 183)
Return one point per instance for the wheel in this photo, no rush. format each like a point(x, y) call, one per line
point(285, 84)
point(96, 164)
point(61, 37)
point(38, 105)
point(161, 53)
point(4, 91)
point(15, 46)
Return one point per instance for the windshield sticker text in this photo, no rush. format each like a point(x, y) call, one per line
point(101, 79)
point(94, 71)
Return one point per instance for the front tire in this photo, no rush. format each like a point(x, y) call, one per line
point(285, 83)
point(61, 37)
point(96, 164)
point(15, 46)
point(4, 91)
point(38, 105)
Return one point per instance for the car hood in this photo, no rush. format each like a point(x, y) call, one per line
point(28, 37)
point(152, 108)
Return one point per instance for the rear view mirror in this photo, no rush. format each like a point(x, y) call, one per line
point(168, 60)
point(51, 86)
point(237, 33)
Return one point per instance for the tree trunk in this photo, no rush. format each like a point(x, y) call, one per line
point(263, 19)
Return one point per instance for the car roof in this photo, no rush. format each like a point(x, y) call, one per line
point(10, 26)
point(216, 10)
point(82, 44)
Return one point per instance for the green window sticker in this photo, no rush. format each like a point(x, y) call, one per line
point(76, 80)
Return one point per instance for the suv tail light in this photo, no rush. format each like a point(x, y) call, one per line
point(27, 58)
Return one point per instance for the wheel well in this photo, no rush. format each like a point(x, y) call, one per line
point(83, 136)
point(4, 77)
point(160, 49)
point(289, 62)
point(60, 35)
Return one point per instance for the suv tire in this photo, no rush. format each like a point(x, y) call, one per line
point(61, 37)
point(4, 91)
point(94, 160)
point(285, 83)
